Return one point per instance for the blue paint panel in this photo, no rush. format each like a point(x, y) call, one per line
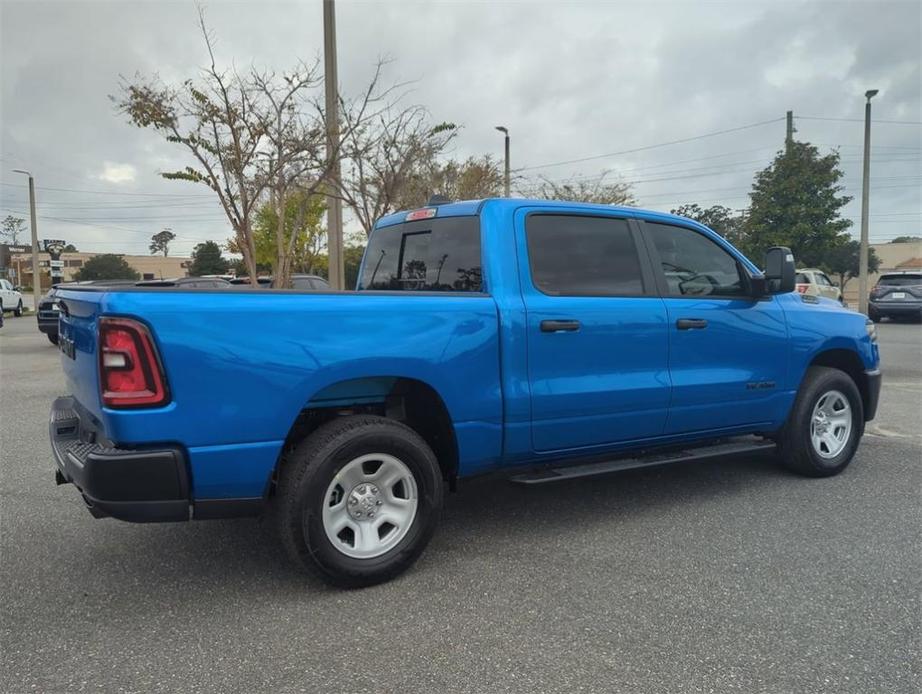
point(745, 343)
point(232, 472)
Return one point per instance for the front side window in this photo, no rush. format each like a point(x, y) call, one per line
point(694, 265)
point(573, 255)
point(426, 255)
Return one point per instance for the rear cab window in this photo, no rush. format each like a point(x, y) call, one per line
point(425, 255)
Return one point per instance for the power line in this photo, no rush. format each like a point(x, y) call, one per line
point(860, 120)
point(112, 192)
point(649, 147)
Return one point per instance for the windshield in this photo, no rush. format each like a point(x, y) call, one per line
point(426, 255)
point(900, 280)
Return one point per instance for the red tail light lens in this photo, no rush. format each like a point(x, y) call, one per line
point(129, 370)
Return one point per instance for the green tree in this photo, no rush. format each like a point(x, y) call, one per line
point(160, 242)
point(303, 233)
point(106, 267)
point(906, 239)
point(10, 229)
point(717, 217)
point(796, 202)
point(842, 260)
point(207, 260)
point(352, 259)
point(69, 248)
point(596, 190)
point(471, 179)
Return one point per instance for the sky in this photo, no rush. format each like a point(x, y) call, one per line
point(685, 100)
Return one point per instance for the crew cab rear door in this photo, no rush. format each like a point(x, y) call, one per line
point(728, 352)
point(596, 331)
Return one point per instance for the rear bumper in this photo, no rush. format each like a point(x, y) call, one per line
point(896, 308)
point(140, 485)
point(873, 395)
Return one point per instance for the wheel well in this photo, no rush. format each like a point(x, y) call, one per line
point(848, 361)
point(406, 400)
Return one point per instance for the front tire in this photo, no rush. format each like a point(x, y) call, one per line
point(825, 425)
point(358, 500)
point(53, 338)
point(18, 310)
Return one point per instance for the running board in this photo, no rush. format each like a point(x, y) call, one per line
point(741, 446)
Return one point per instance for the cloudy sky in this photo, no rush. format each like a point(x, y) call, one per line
point(645, 90)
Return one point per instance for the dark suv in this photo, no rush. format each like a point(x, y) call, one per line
point(896, 295)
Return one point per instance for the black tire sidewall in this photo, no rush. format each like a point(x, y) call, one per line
point(819, 382)
point(311, 494)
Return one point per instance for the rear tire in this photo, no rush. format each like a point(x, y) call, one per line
point(825, 424)
point(318, 479)
point(53, 339)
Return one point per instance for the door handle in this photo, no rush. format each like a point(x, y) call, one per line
point(691, 324)
point(559, 326)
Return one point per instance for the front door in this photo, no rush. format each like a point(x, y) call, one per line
point(596, 331)
point(728, 352)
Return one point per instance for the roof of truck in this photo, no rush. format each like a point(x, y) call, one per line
point(465, 208)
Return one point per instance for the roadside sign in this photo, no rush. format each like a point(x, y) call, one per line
point(56, 263)
point(52, 242)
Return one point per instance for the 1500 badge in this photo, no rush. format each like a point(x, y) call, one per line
point(760, 385)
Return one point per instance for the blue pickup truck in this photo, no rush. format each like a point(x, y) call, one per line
point(539, 340)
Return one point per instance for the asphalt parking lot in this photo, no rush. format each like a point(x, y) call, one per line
point(709, 577)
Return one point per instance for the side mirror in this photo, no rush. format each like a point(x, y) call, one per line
point(17, 288)
point(779, 270)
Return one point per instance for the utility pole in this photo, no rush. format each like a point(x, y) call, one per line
point(36, 278)
point(865, 191)
point(789, 136)
point(334, 203)
point(505, 131)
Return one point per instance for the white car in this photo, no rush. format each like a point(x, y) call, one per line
point(817, 283)
point(10, 299)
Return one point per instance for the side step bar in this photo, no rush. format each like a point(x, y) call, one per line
point(737, 446)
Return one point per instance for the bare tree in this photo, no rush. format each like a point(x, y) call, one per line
point(251, 135)
point(596, 189)
point(472, 179)
point(11, 227)
point(385, 156)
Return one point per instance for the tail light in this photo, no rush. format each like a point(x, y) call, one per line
point(129, 370)
point(802, 288)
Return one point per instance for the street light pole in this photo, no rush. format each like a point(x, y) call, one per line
point(505, 131)
point(36, 278)
point(865, 190)
point(334, 203)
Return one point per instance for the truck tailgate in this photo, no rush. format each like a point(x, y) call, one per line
point(78, 344)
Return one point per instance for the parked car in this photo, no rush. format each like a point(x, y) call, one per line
point(896, 295)
point(188, 283)
point(264, 282)
point(47, 314)
point(10, 298)
point(300, 281)
point(814, 282)
point(534, 339)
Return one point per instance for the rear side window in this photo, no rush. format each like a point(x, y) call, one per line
point(426, 255)
point(900, 280)
point(572, 255)
point(693, 264)
point(801, 278)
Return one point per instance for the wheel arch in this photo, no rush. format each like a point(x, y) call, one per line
point(848, 361)
point(408, 400)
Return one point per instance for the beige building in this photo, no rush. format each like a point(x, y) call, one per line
point(894, 257)
point(150, 267)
